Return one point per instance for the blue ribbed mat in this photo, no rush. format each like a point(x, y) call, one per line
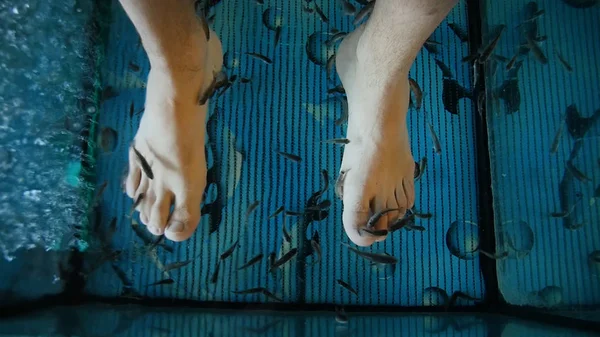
point(550, 263)
point(285, 107)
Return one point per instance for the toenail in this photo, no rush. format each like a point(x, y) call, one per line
point(176, 227)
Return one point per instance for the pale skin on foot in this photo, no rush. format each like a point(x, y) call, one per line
point(373, 64)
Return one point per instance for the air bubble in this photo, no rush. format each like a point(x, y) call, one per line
point(434, 296)
point(231, 60)
point(594, 262)
point(383, 271)
point(108, 139)
point(317, 50)
point(517, 238)
point(462, 239)
point(273, 18)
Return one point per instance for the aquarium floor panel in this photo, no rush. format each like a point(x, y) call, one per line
point(285, 107)
point(543, 160)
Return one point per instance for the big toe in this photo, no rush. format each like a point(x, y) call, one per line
point(184, 219)
point(357, 212)
point(159, 212)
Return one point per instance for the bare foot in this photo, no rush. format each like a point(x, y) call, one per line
point(377, 169)
point(171, 137)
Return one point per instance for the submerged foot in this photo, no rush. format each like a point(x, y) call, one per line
point(377, 171)
point(377, 168)
point(171, 138)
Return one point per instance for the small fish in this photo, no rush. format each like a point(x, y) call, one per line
point(499, 256)
point(347, 286)
point(162, 282)
point(108, 92)
point(348, 8)
point(512, 61)
point(437, 147)
point(336, 37)
point(561, 214)
point(344, 117)
point(258, 290)
point(337, 90)
point(177, 265)
point(376, 232)
point(204, 24)
point(366, 10)
point(487, 51)
point(577, 125)
point(144, 163)
point(284, 259)
point(373, 257)
point(339, 185)
point(415, 228)
point(401, 223)
point(446, 72)
point(131, 110)
point(133, 67)
point(290, 156)
point(209, 92)
point(422, 215)
point(316, 247)
point(325, 204)
point(277, 212)
point(292, 213)
point(321, 14)
point(422, 165)
point(416, 90)
point(211, 20)
point(557, 138)
point(252, 207)
point(329, 66)
point(245, 80)
point(375, 217)
point(577, 173)
point(563, 61)
point(112, 229)
point(564, 214)
point(460, 33)
point(100, 192)
point(262, 330)
point(342, 141)
point(229, 251)
point(452, 92)
point(215, 275)
point(533, 17)
point(251, 262)
point(431, 48)
point(272, 258)
point(260, 57)
point(286, 235)
point(459, 294)
point(137, 203)
point(536, 50)
point(340, 315)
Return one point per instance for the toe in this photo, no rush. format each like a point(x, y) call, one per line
point(400, 200)
point(381, 205)
point(145, 207)
point(133, 179)
point(160, 212)
point(409, 192)
point(184, 220)
point(355, 216)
